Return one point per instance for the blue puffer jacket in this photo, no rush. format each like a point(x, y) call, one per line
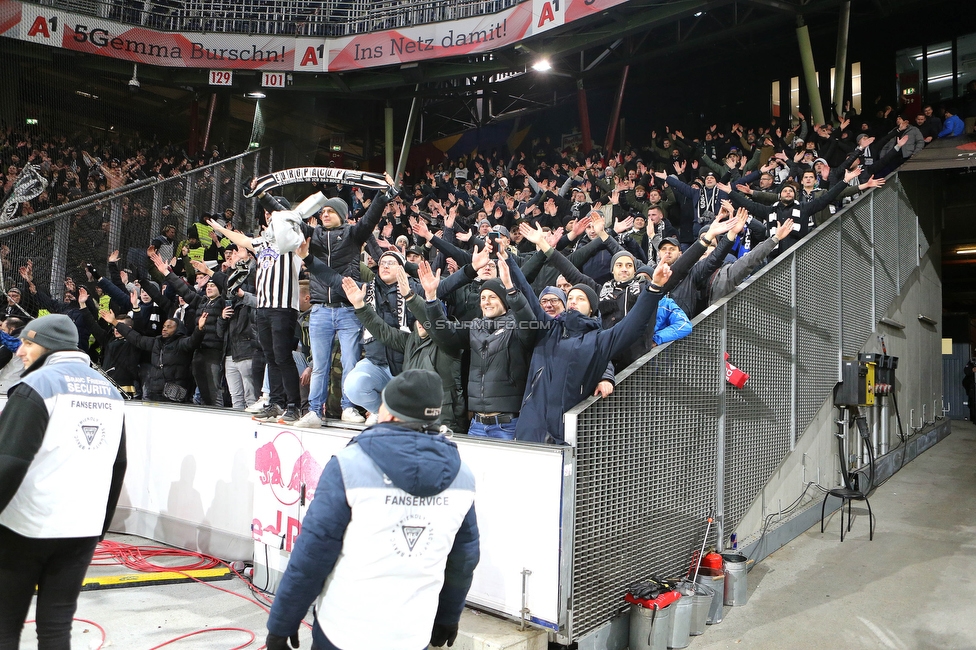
point(419, 463)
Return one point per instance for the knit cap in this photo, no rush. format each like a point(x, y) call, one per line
point(591, 296)
point(339, 206)
point(556, 292)
point(414, 396)
point(496, 287)
point(54, 332)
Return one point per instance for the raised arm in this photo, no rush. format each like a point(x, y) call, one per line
point(361, 231)
point(443, 332)
point(390, 336)
point(235, 237)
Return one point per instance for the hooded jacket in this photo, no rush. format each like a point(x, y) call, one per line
point(170, 358)
point(392, 520)
point(569, 361)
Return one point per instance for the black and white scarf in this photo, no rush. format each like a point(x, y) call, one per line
point(612, 290)
point(401, 310)
point(706, 203)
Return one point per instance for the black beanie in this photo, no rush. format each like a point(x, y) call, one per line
point(591, 296)
point(414, 396)
point(496, 287)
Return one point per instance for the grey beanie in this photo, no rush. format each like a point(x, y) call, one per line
point(339, 206)
point(618, 255)
point(54, 332)
point(554, 291)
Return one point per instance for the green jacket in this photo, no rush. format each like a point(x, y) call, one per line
point(421, 353)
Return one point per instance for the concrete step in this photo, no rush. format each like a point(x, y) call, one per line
point(480, 631)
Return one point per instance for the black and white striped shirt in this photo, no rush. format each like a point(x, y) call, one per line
point(277, 276)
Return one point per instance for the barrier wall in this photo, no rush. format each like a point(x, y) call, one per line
point(216, 481)
point(676, 443)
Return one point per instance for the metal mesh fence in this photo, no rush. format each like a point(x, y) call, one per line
point(60, 241)
point(758, 427)
point(857, 320)
point(671, 443)
point(817, 322)
point(885, 252)
point(907, 236)
point(646, 474)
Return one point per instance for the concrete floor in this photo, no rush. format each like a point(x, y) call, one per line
point(912, 588)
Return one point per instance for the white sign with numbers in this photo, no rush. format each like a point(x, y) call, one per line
point(221, 78)
point(272, 79)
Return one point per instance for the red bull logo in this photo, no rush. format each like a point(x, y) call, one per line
point(305, 472)
point(285, 448)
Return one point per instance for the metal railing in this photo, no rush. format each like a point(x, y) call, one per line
point(324, 18)
point(673, 444)
point(61, 239)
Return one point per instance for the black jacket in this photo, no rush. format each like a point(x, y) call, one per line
point(340, 247)
point(500, 352)
point(120, 359)
point(171, 358)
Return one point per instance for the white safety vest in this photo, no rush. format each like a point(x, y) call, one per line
point(384, 589)
point(65, 491)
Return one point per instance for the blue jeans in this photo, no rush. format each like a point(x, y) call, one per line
point(365, 385)
point(323, 324)
point(500, 431)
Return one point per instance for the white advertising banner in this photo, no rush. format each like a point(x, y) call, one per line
point(82, 33)
point(217, 482)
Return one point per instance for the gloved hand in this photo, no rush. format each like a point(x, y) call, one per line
point(275, 642)
point(440, 635)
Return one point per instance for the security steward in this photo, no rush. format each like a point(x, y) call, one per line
point(389, 544)
point(62, 461)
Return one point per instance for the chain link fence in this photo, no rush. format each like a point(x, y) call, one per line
point(674, 445)
point(59, 241)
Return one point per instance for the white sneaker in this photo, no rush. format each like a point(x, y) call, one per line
point(352, 415)
point(309, 421)
point(259, 405)
point(372, 419)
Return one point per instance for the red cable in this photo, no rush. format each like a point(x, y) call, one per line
point(110, 553)
point(82, 620)
point(212, 629)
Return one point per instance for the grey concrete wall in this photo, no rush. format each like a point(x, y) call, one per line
point(918, 386)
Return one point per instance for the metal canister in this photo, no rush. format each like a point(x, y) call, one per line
point(714, 578)
point(650, 627)
point(736, 579)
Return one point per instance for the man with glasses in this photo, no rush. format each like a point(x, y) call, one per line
point(14, 306)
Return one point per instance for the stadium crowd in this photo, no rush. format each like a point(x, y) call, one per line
point(525, 282)
point(79, 165)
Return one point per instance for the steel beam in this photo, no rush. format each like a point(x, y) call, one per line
point(809, 71)
point(615, 115)
point(840, 61)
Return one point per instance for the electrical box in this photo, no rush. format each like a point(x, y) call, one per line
point(884, 377)
point(856, 387)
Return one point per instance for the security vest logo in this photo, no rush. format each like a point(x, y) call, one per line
point(90, 431)
point(411, 536)
point(90, 434)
